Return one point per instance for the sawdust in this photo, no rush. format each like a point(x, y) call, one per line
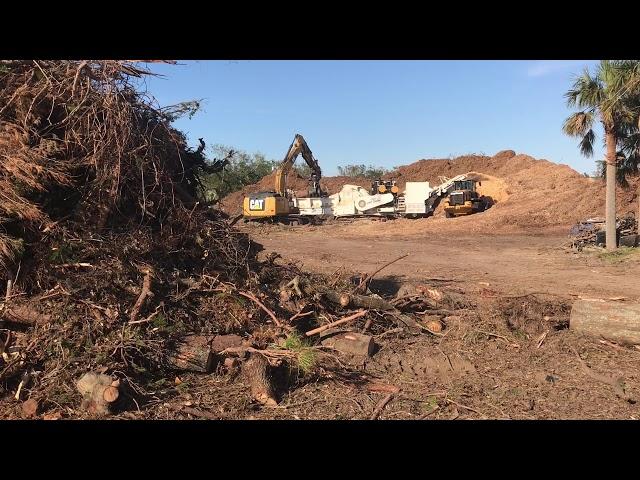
point(490, 186)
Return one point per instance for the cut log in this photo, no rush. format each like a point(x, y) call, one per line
point(110, 394)
point(434, 325)
point(359, 301)
point(345, 299)
point(23, 315)
point(372, 303)
point(350, 342)
point(619, 322)
point(256, 373)
point(332, 325)
point(98, 392)
point(29, 408)
point(222, 342)
point(193, 353)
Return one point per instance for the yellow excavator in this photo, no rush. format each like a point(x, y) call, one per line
point(279, 205)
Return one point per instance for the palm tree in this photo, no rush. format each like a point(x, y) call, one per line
point(629, 154)
point(628, 131)
point(604, 96)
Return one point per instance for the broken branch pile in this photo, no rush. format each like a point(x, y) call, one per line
point(591, 232)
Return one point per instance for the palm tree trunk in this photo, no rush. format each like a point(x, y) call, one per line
point(610, 209)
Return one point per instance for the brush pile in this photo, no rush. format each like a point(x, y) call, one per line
point(116, 275)
point(591, 232)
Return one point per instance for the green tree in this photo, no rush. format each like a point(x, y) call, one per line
point(242, 169)
point(303, 170)
point(370, 172)
point(602, 96)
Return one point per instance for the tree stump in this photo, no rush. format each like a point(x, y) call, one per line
point(222, 342)
point(256, 372)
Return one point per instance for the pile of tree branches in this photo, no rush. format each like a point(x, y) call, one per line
point(78, 139)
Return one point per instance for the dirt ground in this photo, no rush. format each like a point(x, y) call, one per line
point(506, 354)
point(510, 263)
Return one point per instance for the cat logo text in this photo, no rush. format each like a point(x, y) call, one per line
point(256, 204)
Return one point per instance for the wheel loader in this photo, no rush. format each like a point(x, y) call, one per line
point(463, 199)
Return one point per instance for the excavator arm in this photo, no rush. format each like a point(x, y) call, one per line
point(299, 147)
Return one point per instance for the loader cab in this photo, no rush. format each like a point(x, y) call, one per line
point(463, 191)
point(464, 185)
point(464, 199)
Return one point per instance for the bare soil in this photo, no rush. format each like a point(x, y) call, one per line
point(509, 262)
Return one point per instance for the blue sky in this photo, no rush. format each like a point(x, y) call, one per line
point(384, 113)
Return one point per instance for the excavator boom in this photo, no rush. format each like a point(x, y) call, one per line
point(298, 147)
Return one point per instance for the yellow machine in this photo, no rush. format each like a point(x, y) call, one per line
point(464, 200)
point(279, 204)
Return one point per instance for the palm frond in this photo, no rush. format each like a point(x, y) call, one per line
point(587, 91)
point(578, 124)
point(586, 144)
point(624, 166)
point(622, 87)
